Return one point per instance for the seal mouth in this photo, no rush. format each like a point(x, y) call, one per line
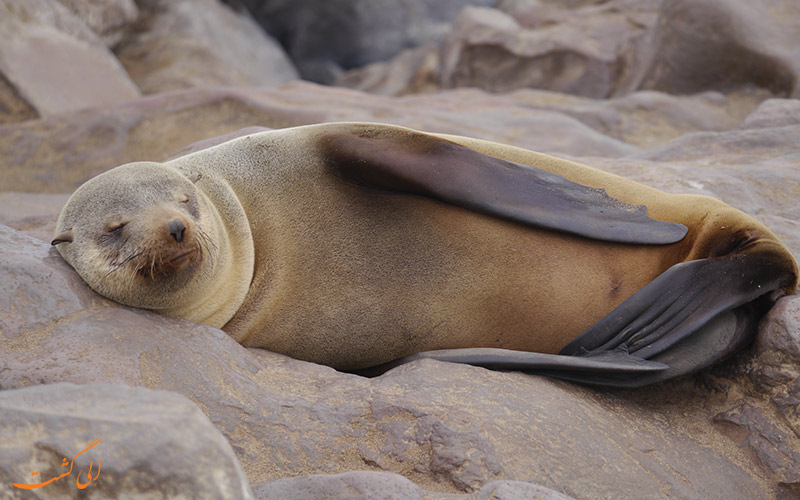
point(183, 256)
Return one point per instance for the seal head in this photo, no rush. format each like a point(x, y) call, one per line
point(146, 236)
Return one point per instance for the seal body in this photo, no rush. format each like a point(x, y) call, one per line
point(353, 245)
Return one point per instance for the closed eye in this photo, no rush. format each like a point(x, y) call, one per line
point(115, 229)
point(191, 206)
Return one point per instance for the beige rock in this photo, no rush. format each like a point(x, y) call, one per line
point(54, 63)
point(13, 107)
point(196, 43)
point(120, 442)
point(111, 20)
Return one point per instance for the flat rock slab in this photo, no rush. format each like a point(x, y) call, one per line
point(448, 428)
point(112, 441)
point(55, 62)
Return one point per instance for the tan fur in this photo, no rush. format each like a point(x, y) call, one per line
point(351, 277)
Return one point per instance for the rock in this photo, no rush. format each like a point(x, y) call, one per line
point(774, 372)
point(448, 428)
point(110, 20)
point(88, 142)
point(774, 113)
point(31, 213)
point(413, 71)
point(50, 62)
point(366, 485)
point(578, 48)
point(195, 43)
point(123, 442)
point(324, 39)
point(771, 444)
point(722, 45)
point(600, 49)
point(582, 55)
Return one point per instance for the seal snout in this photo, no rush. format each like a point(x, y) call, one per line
point(176, 227)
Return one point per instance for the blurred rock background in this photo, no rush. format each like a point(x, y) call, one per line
point(683, 95)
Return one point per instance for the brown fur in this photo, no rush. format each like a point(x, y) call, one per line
point(353, 277)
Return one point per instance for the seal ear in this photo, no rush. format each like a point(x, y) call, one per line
point(194, 177)
point(65, 237)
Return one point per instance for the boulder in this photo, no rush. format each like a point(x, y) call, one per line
point(51, 62)
point(195, 43)
point(578, 48)
point(325, 39)
point(722, 45)
point(601, 49)
point(489, 49)
point(112, 441)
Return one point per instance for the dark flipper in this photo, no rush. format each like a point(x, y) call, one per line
point(423, 165)
point(694, 314)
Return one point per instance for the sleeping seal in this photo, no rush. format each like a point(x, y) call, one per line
point(354, 245)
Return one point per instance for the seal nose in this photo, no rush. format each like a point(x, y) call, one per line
point(176, 229)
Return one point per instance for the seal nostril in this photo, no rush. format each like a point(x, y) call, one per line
point(176, 229)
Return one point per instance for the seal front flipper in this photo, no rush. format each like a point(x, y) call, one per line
point(416, 163)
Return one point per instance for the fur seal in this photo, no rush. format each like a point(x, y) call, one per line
point(354, 245)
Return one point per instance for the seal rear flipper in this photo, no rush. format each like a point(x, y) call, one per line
point(692, 315)
point(507, 359)
point(419, 164)
point(725, 334)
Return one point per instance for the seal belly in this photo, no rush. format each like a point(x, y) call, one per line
point(399, 274)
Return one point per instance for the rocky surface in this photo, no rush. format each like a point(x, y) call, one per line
point(425, 430)
point(112, 441)
point(364, 484)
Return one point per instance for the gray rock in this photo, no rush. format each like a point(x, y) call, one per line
point(52, 62)
point(33, 214)
point(194, 43)
point(582, 48)
point(722, 45)
point(326, 38)
point(118, 442)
